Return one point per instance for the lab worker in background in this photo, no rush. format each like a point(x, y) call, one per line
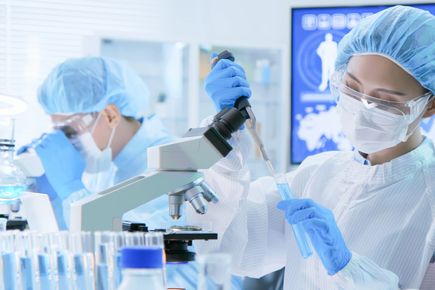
point(98, 107)
point(369, 214)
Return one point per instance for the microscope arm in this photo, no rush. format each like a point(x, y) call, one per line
point(177, 176)
point(103, 211)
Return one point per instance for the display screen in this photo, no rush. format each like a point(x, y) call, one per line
point(315, 33)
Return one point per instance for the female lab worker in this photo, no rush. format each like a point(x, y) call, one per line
point(370, 214)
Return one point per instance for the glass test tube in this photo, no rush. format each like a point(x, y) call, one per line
point(298, 231)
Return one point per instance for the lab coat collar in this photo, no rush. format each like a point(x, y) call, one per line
point(397, 168)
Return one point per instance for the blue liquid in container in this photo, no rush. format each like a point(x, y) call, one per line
point(9, 193)
point(298, 231)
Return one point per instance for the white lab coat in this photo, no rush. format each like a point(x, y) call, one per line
point(386, 214)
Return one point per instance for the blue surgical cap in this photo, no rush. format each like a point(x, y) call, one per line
point(89, 84)
point(403, 34)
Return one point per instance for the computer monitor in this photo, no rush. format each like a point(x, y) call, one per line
point(315, 33)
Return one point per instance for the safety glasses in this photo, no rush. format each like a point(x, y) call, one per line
point(75, 125)
point(409, 108)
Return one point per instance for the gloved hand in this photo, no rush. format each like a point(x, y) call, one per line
point(41, 185)
point(32, 144)
point(322, 229)
point(62, 163)
point(226, 83)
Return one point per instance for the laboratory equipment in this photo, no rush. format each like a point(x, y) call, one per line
point(214, 272)
point(282, 185)
point(27, 273)
point(142, 266)
point(12, 179)
point(3, 222)
point(18, 209)
point(65, 260)
point(64, 276)
point(175, 173)
point(268, 101)
point(245, 108)
point(45, 279)
point(13, 183)
point(177, 239)
point(298, 231)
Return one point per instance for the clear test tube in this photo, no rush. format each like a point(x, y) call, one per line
point(25, 245)
point(27, 273)
point(62, 241)
point(64, 270)
point(121, 240)
point(138, 239)
point(7, 241)
point(60, 258)
point(82, 248)
point(103, 247)
point(40, 242)
point(299, 233)
point(154, 239)
point(46, 278)
point(84, 271)
point(105, 257)
point(3, 224)
point(81, 242)
point(9, 271)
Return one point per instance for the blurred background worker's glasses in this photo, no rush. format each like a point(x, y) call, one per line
point(76, 125)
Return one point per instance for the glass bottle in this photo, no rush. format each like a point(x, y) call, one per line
point(12, 179)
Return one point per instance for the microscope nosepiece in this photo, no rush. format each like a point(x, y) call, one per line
point(175, 205)
point(208, 193)
point(196, 199)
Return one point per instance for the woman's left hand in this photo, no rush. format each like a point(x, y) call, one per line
point(319, 223)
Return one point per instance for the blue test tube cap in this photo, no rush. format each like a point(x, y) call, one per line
point(142, 258)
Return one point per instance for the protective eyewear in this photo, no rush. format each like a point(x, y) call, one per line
point(75, 125)
point(409, 108)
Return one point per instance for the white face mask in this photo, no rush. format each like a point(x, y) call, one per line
point(100, 170)
point(372, 130)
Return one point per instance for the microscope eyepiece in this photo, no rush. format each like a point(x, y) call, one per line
point(228, 122)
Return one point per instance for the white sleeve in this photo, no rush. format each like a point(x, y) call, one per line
point(363, 273)
point(248, 225)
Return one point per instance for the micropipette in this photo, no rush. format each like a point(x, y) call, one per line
point(242, 104)
point(281, 184)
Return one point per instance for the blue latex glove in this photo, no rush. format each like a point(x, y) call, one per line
point(62, 163)
point(24, 148)
point(226, 83)
point(42, 185)
point(322, 229)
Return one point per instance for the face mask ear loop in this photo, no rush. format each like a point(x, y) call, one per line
point(111, 134)
point(111, 137)
point(96, 122)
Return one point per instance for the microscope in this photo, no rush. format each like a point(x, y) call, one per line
point(175, 171)
point(19, 209)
